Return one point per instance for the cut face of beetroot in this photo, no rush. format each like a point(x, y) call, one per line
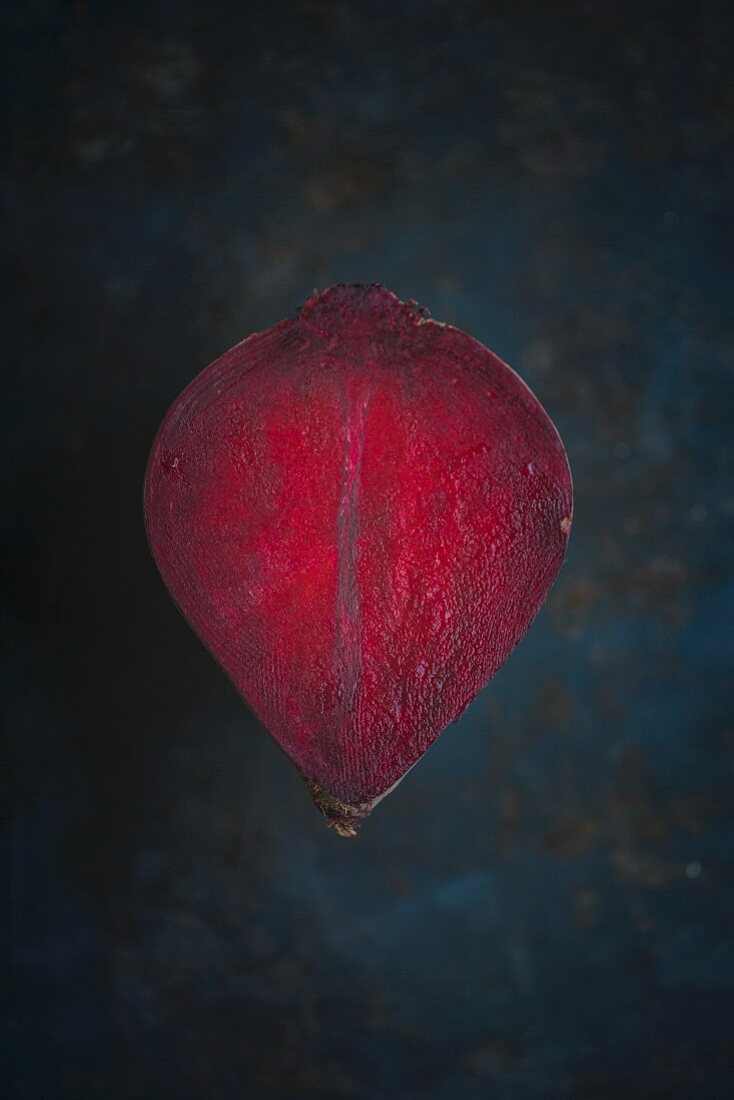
point(360, 513)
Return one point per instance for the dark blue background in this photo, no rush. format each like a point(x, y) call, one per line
point(544, 908)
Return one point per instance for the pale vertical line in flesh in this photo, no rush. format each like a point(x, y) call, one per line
point(348, 654)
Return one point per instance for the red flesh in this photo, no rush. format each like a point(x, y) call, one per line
point(360, 513)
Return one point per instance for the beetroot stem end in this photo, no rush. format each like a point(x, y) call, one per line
point(340, 816)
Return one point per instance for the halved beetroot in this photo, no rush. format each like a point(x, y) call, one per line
point(360, 512)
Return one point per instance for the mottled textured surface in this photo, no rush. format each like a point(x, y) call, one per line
point(543, 908)
point(360, 512)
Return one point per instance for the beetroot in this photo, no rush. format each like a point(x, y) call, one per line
point(360, 512)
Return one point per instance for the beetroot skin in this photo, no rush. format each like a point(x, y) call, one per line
point(359, 512)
